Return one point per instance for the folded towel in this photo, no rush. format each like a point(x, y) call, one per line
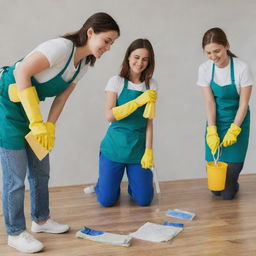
point(104, 237)
point(156, 233)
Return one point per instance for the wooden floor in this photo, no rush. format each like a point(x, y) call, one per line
point(221, 228)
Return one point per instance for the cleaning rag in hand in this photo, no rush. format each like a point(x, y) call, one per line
point(180, 214)
point(104, 237)
point(156, 233)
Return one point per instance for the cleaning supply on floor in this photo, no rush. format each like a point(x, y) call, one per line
point(89, 189)
point(176, 213)
point(157, 186)
point(104, 237)
point(173, 224)
point(156, 232)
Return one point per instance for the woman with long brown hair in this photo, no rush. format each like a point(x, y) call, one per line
point(226, 83)
point(51, 70)
point(128, 141)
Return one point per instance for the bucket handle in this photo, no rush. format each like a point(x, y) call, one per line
point(219, 151)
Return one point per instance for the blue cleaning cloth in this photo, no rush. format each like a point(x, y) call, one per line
point(91, 232)
point(173, 224)
point(180, 214)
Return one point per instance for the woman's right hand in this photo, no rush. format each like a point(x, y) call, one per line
point(147, 96)
point(212, 138)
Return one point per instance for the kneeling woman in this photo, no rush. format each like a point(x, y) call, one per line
point(128, 141)
point(226, 83)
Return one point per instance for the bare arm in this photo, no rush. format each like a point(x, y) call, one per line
point(210, 105)
point(30, 66)
point(245, 94)
point(149, 134)
point(110, 102)
point(59, 103)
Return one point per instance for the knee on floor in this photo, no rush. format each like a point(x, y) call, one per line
point(143, 201)
point(107, 201)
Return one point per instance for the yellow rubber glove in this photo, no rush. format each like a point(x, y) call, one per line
point(13, 93)
point(128, 108)
point(147, 159)
point(231, 136)
point(212, 138)
point(30, 102)
point(149, 111)
point(51, 134)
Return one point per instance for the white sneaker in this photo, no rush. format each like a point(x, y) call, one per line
point(50, 226)
point(25, 242)
point(89, 190)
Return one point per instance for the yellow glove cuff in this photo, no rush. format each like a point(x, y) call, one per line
point(234, 129)
point(149, 151)
point(212, 129)
point(50, 127)
point(149, 111)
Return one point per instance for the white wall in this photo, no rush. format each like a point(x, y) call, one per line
point(175, 28)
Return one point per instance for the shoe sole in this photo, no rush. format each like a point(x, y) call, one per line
point(49, 231)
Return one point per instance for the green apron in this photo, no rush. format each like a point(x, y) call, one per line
point(227, 104)
point(13, 120)
point(125, 139)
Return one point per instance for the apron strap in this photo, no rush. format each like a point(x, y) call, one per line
point(213, 69)
point(64, 69)
point(69, 59)
point(75, 75)
point(232, 74)
point(125, 83)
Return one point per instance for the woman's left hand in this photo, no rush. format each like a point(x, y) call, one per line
point(147, 159)
point(51, 134)
point(231, 136)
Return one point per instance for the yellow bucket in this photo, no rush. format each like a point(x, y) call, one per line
point(216, 175)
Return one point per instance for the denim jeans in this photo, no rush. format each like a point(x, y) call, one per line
point(15, 164)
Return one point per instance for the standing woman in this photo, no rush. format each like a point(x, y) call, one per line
point(51, 69)
point(226, 82)
point(128, 141)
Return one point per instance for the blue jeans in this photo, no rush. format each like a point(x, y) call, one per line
point(111, 173)
point(15, 164)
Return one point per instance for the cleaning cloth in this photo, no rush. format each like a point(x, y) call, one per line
point(180, 214)
point(104, 237)
point(173, 224)
point(156, 233)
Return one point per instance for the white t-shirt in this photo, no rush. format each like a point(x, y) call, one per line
point(57, 51)
point(222, 76)
point(116, 84)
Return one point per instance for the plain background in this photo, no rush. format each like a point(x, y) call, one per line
point(175, 28)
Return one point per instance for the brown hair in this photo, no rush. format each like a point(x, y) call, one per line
point(99, 22)
point(147, 74)
point(218, 36)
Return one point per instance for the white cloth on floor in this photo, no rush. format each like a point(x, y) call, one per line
point(104, 237)
point(89, 190)
point(156, 233)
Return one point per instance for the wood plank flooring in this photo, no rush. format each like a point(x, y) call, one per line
point(220, 227)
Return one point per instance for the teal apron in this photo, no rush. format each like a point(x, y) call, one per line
point(13, 120)
point(227, 104)
point(125, 139)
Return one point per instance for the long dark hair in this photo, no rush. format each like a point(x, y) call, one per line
point(147, 74)
point(218, 36)
point(99, 22)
